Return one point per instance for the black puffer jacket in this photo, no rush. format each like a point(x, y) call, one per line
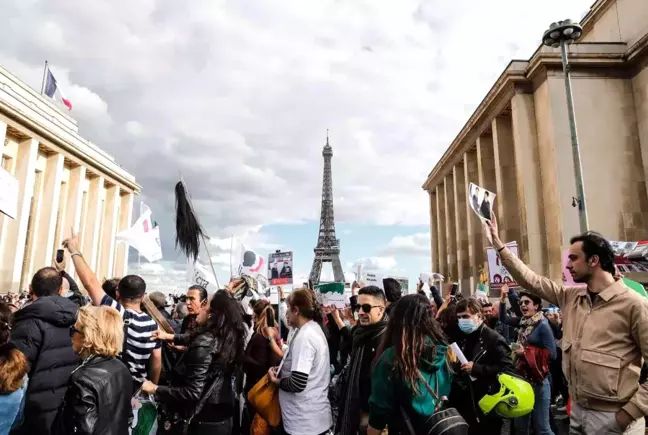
point(192, 374)
point(41, 331)
point(97, 401)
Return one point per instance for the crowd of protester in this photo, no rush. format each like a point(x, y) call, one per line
point(437, 362)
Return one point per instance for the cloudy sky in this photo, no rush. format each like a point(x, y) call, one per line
point(237, 96)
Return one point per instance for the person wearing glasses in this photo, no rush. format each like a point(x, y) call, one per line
point(97, 400)
point(534, 349)
point(363, 339)
point(605, 334)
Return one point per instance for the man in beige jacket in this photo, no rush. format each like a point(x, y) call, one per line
point(605, 335)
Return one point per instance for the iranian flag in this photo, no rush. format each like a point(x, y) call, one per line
point(53, 90)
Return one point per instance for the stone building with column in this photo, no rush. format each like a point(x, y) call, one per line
point(517, 144)
point(64, 182)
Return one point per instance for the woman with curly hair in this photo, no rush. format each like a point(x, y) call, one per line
point(200, 393)
point(13, 381)
point(411, 370)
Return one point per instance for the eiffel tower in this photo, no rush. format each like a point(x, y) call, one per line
point(328, 246)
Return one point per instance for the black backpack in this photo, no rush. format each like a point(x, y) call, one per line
point(444, 421)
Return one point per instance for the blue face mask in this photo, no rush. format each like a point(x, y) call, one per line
point(467, 326)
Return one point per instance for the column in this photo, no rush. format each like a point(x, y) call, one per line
point(461, 228)
point(529, 184)
point(441, 229)
point(3, 135)
point(15, 230)
point(476, 253)
point(93, 221)
point(125, 213)
point(48, 212)
point(506, 179)
point(434, 243)
point(110, 221)
point(451, 245)
point(73, 206)
point(486, 163)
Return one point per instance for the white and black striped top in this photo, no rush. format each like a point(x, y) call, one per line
point(138, 344)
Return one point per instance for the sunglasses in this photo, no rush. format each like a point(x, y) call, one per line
point(366, 308)
point(73, 331)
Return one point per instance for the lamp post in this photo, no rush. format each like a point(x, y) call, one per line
point(559, 35)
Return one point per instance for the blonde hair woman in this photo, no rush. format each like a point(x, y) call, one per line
point(99, 390)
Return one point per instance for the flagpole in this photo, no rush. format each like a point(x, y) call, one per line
point(44, 79)
point(202, 236)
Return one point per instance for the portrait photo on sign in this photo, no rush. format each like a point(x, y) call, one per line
point(481, 201)
point(280, 268)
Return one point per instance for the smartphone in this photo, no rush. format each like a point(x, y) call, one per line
point(455, 288)
point(271, 321)
point(60, 255)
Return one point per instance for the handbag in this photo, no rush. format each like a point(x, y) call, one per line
point(446, 421)
point(264, 396)
point(174, 421)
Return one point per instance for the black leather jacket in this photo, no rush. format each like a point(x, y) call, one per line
point(193, 373)
point(98, 399)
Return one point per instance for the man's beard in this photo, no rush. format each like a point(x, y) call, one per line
point(583, 278)
point(491, 321)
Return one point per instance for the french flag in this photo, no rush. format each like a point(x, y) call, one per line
point(52, 87)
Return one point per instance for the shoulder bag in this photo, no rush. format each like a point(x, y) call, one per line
point(446, 421)
point(264, 396)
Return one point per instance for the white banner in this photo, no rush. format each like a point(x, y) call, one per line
point(201, 275)
point(8, 194)
point(373, 278)
point(143, 236)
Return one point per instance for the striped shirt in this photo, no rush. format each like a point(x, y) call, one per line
point(138, 344)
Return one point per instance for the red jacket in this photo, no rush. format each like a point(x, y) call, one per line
point(534, 364)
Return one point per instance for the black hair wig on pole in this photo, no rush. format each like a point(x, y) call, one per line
point(188, 229)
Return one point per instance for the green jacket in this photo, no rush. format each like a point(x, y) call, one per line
point(389, 392)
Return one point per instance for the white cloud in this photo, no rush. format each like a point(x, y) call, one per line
point(414, 244)
point(238, 95)
point(377, 263)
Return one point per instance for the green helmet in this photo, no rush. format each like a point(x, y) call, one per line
point(514, 399)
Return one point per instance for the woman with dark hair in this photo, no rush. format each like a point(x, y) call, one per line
point(200, 392)
point(263, 351)
point(411, 370)
point(305, 374)
point(13, 381)
point(488, 355)
point(534, 349)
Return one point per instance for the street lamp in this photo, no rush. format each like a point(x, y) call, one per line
point(559, 35)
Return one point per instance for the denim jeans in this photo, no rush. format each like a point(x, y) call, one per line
point(540, 415)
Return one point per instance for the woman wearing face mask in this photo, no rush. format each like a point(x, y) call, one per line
point(488, 355)
point(534, 349)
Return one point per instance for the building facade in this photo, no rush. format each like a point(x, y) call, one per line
point(64, 182)
point(517, 144)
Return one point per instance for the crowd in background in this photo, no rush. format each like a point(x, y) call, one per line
point(437, 362)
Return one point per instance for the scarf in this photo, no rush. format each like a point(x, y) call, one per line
point(527, 325)
point(363, 337)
